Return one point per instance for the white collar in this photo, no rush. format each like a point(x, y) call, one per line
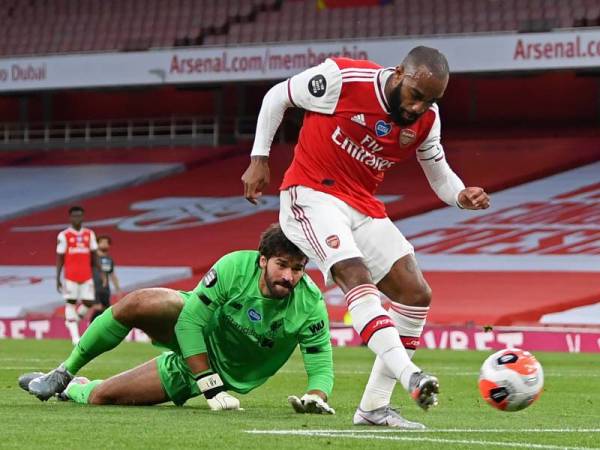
point(381, 79)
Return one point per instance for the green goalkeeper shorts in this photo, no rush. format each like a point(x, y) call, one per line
point(176, 378)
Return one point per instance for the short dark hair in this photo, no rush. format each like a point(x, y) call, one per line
point(429, 57)
point(73, 209)
point(104, 237)
point(274, 243)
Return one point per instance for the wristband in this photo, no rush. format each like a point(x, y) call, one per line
point(210, 384)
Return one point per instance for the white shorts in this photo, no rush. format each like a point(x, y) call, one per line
point(328, 230)
point(79, 291)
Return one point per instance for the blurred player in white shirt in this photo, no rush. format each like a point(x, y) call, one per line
point(76, 252)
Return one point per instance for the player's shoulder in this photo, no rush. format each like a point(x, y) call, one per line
point(66, 232)
point(431, 119)
point(231, 270)
point(239, 260)
point(308, 292)
point(349, 63)
point(434, 112)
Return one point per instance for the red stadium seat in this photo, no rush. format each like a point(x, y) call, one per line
point(84, 26)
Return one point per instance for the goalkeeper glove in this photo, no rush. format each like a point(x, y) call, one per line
point(223, 400)
point(213, 389)
point(310, 404)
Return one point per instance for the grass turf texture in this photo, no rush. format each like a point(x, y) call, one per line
point(571, 401)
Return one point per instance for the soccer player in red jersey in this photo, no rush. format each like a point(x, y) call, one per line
point(360, 120)
point(76, 251)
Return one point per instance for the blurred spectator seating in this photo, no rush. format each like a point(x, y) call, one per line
point(63, 26)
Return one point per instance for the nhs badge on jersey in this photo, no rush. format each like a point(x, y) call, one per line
point(253, 315)
point(382, 128)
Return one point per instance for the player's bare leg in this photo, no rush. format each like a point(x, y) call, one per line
point(138, 386)
point(410, 294)
point(155, 311)
point(371, 320)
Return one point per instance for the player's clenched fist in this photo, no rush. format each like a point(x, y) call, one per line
point(310, 404)
point(256, 178)
point(473, 198)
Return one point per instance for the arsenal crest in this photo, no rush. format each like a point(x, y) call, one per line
point(333, 241)
point(407, 137)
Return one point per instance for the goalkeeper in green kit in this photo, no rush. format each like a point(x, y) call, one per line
point(236, 329)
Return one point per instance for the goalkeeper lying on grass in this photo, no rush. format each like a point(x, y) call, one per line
point(235, 330)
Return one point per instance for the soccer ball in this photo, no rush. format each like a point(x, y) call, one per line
point(511, 379)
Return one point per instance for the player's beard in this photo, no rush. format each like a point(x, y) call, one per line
point(278, 289)
point(398, 114)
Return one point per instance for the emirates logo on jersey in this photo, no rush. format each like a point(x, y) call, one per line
point(333, 241)
point(407, 137)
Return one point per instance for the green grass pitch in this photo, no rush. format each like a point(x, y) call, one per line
point(566, 416)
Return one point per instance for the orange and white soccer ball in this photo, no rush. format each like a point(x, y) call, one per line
point(511, 379)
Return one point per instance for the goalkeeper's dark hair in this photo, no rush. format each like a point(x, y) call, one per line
point(274, 243)
point(73, 209)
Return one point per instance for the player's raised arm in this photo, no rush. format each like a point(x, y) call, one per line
point(316, 89)
point(257, 177)
point(442, 179)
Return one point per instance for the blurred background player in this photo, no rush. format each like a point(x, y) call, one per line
point(76, 251)
point(237, 328)
point(104, 274)
point(361, 119)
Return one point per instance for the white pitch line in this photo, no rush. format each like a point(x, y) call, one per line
point(432, 430)
point(29, 359)
point(422, 439)
point(547, 374)
point(30, 368)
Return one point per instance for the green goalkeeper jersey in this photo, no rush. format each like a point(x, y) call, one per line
point(249, 337)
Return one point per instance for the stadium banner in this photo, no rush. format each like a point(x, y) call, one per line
point(550, 339)
point(466, 53)
point(554, 339)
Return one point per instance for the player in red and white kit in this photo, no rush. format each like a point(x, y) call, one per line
point(76, 251)
point(362, 119)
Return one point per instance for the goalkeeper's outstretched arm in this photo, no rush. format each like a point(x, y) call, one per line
point(315, 345)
